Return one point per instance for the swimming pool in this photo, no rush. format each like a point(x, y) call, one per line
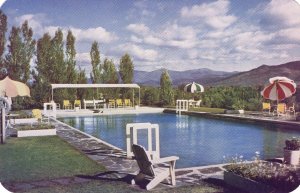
point(196, 140)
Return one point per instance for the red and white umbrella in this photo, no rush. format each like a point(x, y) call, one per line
point(279, 88)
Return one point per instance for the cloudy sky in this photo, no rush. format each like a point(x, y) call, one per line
point(226, 35)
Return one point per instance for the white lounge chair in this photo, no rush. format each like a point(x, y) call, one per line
point(158, 173)
point(198, 102)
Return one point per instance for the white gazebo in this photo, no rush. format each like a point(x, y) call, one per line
point(133, 86)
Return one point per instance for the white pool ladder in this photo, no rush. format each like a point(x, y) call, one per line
point(182, 105)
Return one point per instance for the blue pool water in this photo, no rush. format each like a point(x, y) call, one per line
point(196, 140)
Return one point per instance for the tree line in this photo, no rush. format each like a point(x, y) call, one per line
point(54, 63)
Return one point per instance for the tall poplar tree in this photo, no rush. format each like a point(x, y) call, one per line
point(58, 72)
point(43, 70)
point(109, 75)
point(13, 58)
point(71, 73)
point(166, 90)
point(95, 60)
point(82, 79)
point(126, 69)
point(28, 49)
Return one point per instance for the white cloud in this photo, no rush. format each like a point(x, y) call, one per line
point(282, 12)
point(138, 28)
point(138, 52)
point(35, 21)
point(38, 23)
point(213, 14)
point(94, 34)
point(171, 35)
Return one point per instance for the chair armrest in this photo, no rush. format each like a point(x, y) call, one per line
point(165, 159)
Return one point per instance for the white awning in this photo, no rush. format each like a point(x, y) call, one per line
point(54, 86)
point(94, 86)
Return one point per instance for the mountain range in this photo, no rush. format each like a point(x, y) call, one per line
point(207, 77)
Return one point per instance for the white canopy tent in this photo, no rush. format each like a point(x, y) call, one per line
point(55, 86)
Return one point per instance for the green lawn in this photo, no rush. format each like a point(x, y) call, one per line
point(39, 158)
point(42, 158)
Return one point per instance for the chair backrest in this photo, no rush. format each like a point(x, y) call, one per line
point(143, 160)
point(127, 102)
point(198, 102)
point(36, 113)
point(266, 106)
point(119, 102)
point(77, 102)
point(281, 108)
point(66, 102)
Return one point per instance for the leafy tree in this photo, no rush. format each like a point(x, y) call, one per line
point(13, 58)
point(28, 49)
point(95, 60)
point(126, 69)
point(3, 29)
point(71, 73)
point(43, 70)
point(58, 74)
point(81, 92)
point(150, 95)
point(166, 90)
point(109, 74)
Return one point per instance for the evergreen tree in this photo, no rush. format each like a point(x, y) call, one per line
point(126, 69)
point(3, 29)
point(166, 90)
point(95, 60)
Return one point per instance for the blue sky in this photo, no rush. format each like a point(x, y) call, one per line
point(226, 35)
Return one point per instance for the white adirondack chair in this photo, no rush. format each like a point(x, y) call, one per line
point(146, 166)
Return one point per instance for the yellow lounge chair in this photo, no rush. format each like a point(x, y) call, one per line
point(36, 113)
point(77, 103)
point(266, 106)
point(127, 103)
point(280, 109)
point(111, 103)
point(119, 103)
point(67, 104)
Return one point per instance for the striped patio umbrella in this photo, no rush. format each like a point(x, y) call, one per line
point(279, 88)
point(193, 88)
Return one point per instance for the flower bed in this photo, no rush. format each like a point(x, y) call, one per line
point(36, 130)
point(272, 175)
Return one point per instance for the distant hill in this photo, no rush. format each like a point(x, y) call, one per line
point(261, 75)
point(203, 76)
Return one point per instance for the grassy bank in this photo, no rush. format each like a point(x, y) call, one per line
point(39, 158)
